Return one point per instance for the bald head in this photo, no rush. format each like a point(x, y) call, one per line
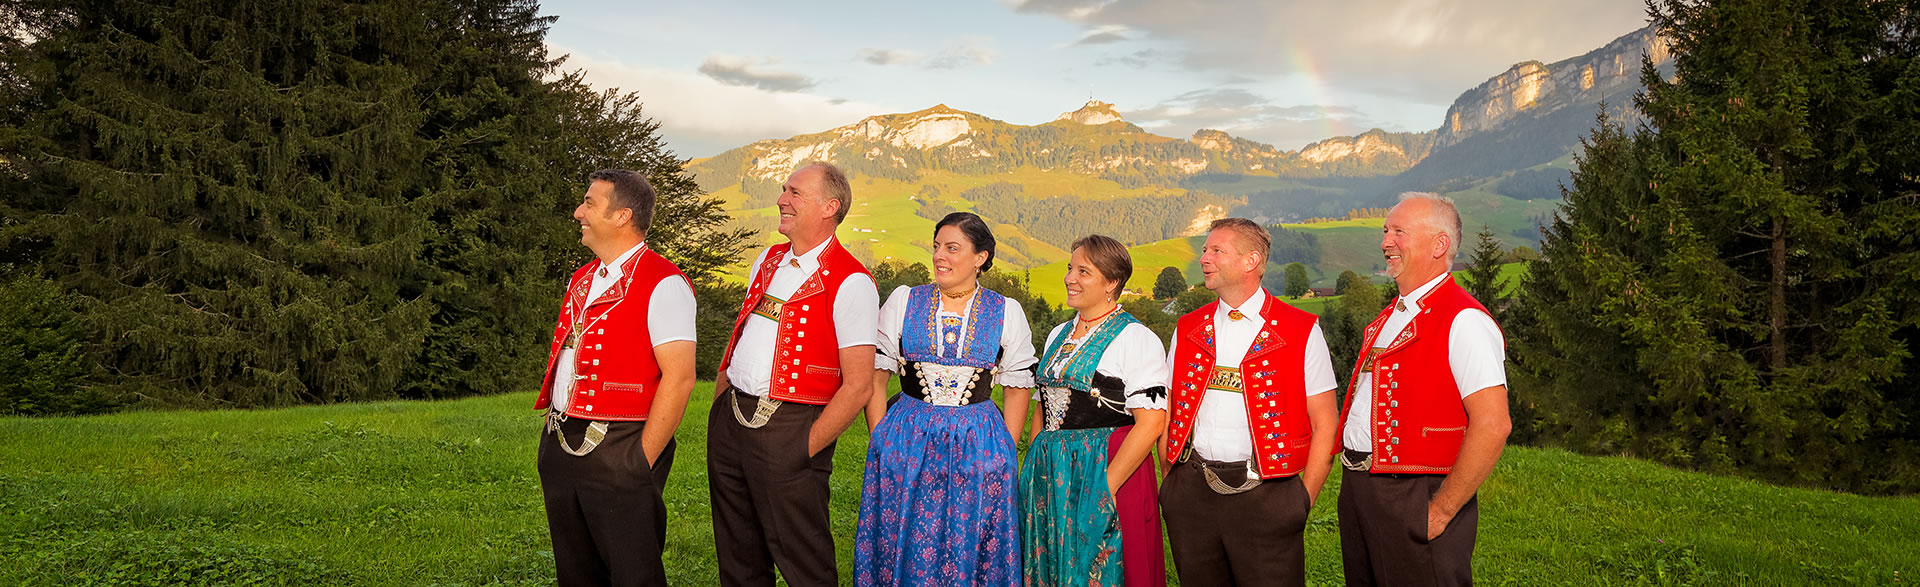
point(1420, 238)
point(1436, 213)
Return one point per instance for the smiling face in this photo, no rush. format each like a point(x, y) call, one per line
point(600, 225)
point(1224, 260)
point(804, 206)
point(1411, 245)
point(1087, 287)
point(955, 261)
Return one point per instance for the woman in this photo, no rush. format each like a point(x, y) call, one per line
point(1092, 516)
point(939, 503)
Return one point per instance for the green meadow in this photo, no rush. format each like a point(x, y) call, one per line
point(1344, 245)
point(884, 225)
point(445, 493)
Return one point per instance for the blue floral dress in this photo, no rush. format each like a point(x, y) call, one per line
point(940, 502)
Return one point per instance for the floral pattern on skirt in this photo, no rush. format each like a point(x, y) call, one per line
point(939, 503)
point(1075, 532)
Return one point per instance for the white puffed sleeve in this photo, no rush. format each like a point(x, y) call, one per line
point(1017, 359)
point(893, 315)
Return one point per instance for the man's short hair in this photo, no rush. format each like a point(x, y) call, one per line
point(1444, 217)
point(1257, 239)
point(834, 182)
point(630, 191)
point(1109, 256)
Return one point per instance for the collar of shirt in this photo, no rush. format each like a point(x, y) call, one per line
point(1412, 299)
point(613, 270)
point(809, 260)
point(1249, 307)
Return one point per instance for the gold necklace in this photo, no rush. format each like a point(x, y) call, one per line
point(955, 296)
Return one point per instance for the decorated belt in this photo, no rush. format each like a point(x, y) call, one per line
point(769, 307)
point(1206, 468)
point(1226, 379)
point(762, 411)
point(978, 394)
point(596, 432)
point(1355, 460)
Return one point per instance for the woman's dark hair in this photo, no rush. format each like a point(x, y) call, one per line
point(1109, 256)
point(976, 230)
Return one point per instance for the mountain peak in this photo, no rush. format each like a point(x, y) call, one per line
point(1095, 112)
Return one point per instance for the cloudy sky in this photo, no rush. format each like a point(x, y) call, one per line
point(718, 74)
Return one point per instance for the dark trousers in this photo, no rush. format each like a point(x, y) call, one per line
point(769, 497)
point(1383, 532)
point(1251, 538)
point(604, 510)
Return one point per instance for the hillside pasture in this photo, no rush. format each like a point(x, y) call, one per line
point(419, 493)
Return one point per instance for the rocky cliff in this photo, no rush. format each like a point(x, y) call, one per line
point(1095, 112)
point(1532, 89)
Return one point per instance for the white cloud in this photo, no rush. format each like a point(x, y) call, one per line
point(701, 116)
point(1103, 34)
point(740, 71)
point(1426, 50)
point(888, 56)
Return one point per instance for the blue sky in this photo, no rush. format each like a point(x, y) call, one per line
point(720, 74)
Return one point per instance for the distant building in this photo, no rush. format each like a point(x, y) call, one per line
point(1317, 292)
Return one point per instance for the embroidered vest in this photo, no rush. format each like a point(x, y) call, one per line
point(806, 350)
point(1270, 380)
point(921, 332)
point(1078, 374)
point(615, 374)
point(1418, 418)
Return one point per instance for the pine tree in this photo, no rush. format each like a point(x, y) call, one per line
point(1169, 284)
point(258, 204)
point(1483, 272)
point(225, 191)
point(1730, 288)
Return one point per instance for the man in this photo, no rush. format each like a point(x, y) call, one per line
point(618, 374)
point(784, 390)
point(1250, 414)
point(1431, 388)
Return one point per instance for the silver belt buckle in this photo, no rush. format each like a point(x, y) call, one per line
point(596, 432)
point(762, 411)
point(1363, 466)
point(1220, 487)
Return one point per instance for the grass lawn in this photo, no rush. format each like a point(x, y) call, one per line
point(417, 493)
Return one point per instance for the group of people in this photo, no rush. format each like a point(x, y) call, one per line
point(1234, 411)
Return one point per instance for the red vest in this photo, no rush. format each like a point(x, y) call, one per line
point(806, 365)
point(615, 356)
point(1418, 418)
point(1274, 389)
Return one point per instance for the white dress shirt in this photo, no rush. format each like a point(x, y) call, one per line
point(1220, 430)
point(854, 319)
point(1475, 352)
point(669, 318)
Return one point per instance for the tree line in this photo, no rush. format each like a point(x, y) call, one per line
point(1059, 220)
point(255, 204)
point(1731, 285)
